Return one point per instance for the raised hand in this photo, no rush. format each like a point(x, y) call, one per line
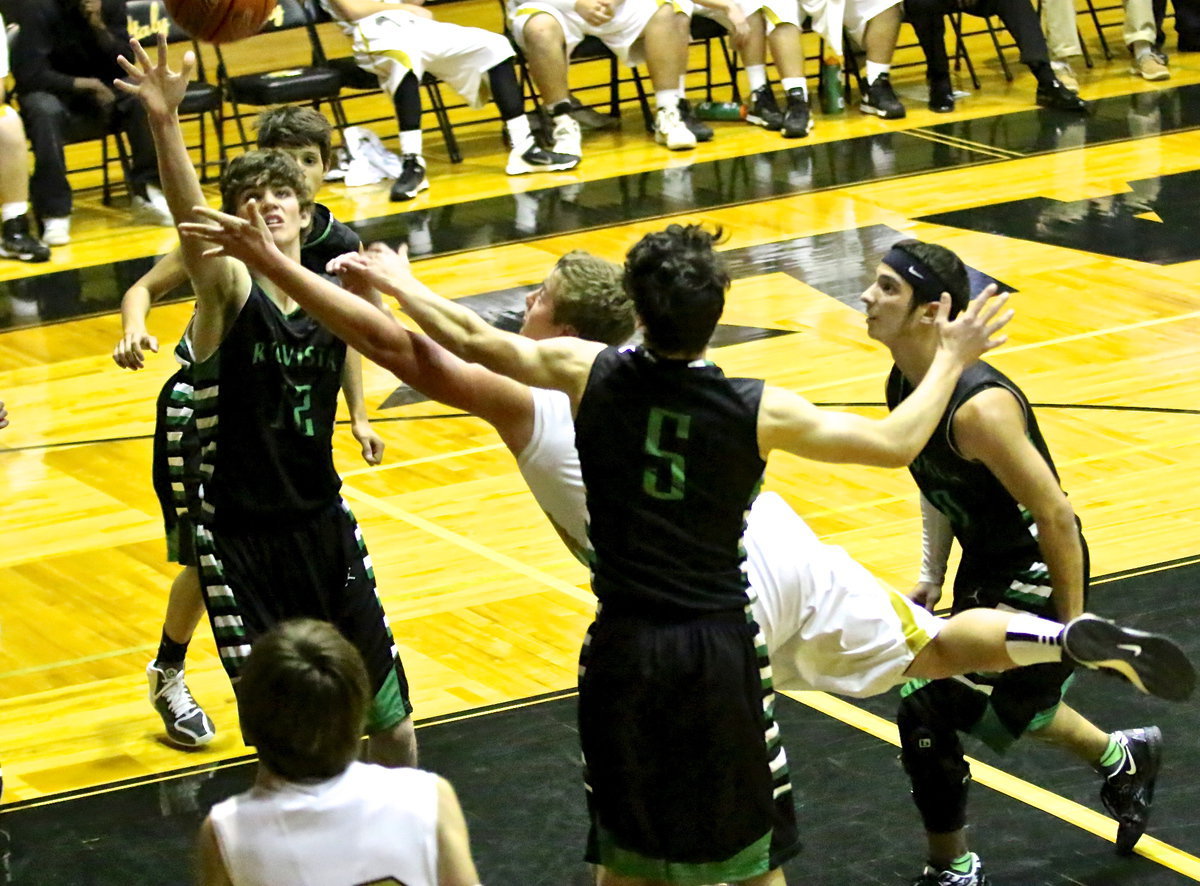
point(973, 332)
point(246, 239)
point(159, 89)
point(379, 267)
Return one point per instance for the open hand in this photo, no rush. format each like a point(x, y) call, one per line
point(159, 89)
point(246, 239)
point(973, 332)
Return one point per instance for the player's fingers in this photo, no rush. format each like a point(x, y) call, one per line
point(1000, 322)
point(162, 50)
point(139, 53)
point(993, 307)
point(152, 343)
point(943, 311)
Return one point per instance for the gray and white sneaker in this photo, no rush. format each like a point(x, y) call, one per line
point(566, 137)
point(670, 130)
point(186, 723)
point(1151, 662)
point(529, 156)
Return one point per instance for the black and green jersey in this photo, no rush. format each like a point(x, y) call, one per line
point(996, 533)
point(327, 239)
point(264, 409)
point(670, 461)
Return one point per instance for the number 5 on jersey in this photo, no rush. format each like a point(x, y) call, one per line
point(666, 469)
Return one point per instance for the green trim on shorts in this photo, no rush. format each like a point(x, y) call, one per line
point(388, 707)
point(913, 685)
point(993, 733)
point(173, 544)
point(753, 861)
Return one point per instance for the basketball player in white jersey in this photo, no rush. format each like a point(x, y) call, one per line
point(303, 700)
point(829, 624)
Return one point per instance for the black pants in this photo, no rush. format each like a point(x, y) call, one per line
point(50, 123)
point(1187, 23)
point(928, 18)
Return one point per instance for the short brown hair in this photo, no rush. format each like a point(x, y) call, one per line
point(254, 169)
point(295, 126)
point(302, 699)
point(591, 298)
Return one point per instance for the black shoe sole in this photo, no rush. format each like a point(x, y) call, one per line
point(878, 112)
point(1151, 662)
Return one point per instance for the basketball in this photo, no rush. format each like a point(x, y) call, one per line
point(220, 21)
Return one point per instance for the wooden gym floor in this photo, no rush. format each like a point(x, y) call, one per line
point(1092, 222)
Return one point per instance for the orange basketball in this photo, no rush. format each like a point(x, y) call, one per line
point(220, 21)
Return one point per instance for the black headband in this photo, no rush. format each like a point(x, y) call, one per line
point(927, 286)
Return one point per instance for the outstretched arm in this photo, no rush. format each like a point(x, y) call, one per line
point(221, 285)
point(559, 363)
point(370, 328)
point(167, 273)
point(788, 421)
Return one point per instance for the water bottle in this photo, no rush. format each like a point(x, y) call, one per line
point(721, 111)
point(832, 100)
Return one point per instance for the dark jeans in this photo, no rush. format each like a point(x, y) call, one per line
point(52, 122)
point(928, 18)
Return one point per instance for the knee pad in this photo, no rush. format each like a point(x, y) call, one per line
point(933, 758)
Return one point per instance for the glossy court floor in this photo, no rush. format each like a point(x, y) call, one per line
point(1091, 221)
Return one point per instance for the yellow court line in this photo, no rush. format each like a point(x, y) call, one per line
point(998, 780)
point(1149, 570)
point(399, 513)
point(1050, 342)
point(424, 459)
point(962, 143)
point(86, 659)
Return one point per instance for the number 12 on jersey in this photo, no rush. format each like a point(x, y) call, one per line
point(666, 469)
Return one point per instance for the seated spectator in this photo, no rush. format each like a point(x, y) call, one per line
point(302, 700)
point(1062, 37)
point(928, 19)
point(15, 239)
point(637, 31)
point(401, 42)
point(872, 24)
point(776, 22)
point(64, 62)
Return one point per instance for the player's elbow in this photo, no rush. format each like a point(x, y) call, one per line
point(1057, 516)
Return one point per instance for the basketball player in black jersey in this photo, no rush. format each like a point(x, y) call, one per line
point(987, 479)
point(273, 537)
point(688, 781)
point(306, 134)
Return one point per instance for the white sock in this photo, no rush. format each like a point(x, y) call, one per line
point(874, 69)
point(14, 210)
point(790, 83)
point(757, 76)
point(667, 98)
point(518, 131)
point(410, 142)
point(1141, 49)
point(1032, 640)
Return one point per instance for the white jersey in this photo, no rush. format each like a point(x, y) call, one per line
point(828, 623)
point(370, 824)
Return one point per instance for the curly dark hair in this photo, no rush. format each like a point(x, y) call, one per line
point(678, 284)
